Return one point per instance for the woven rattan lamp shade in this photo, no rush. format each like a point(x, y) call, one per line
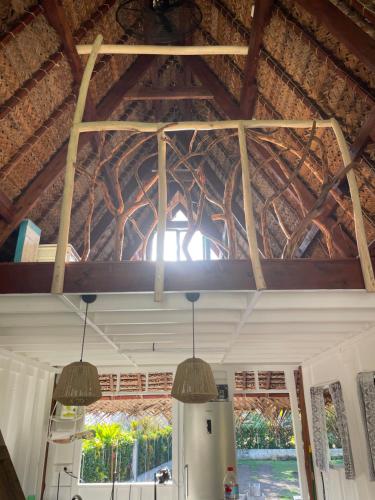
point(78, 385)
point(194, 382)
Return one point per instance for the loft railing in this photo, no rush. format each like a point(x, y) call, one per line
point(161, 130)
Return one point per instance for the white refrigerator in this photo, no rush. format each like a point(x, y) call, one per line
point(208, 448)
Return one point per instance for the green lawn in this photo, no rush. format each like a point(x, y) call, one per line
point(282, 474)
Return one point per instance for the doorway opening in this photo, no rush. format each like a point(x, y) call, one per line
point(266, 455)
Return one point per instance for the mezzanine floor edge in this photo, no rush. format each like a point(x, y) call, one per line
point(121, 277)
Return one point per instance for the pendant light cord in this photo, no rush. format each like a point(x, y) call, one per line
point(84, 331)
point(193, 331)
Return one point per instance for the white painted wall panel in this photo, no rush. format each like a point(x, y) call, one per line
point(26, 392)
point(343, 363)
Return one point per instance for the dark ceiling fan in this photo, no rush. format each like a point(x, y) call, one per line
point(159, 22)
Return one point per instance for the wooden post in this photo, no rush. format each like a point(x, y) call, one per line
point(291, 387)
point(363, 251)
point(66, 206)
point(162, 217)
point(248, 209)
point(310, 475)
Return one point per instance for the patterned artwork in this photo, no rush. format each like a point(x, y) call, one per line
point(366, 393)
point(342, 423)
point(319, 428)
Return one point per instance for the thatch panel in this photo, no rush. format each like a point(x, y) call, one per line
point(12, 10)
point(241, 10)
point(30, 112)
point(321, 33)
point(335, 95)
point(41, 151)
point(106, 26)
point(134, 407)
point(24, 54)
point(41, 211)
point(9, 78)
point(78, 12)
point(103, 250)
point(9, 188)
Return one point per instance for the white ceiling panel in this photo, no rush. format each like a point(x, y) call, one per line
point(131, 330)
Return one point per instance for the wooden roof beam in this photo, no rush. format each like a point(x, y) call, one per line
point(6, 207)
point(56, 164)
point(55, 14)
point(343, 28)
point(262, 15)
point(121, 277)
point(175, 93)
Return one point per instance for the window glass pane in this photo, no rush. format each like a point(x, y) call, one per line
point(130, 439)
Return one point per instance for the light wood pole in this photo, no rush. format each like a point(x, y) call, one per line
point(162, 217)
point(170, 50)
point(360, 232)
point(66, 206)
point(248, 209)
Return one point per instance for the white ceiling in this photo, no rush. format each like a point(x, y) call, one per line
point(231, 327)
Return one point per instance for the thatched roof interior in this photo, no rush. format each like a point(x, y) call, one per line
point(304, 72)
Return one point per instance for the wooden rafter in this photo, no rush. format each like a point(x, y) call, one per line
point(6, 207)
point(54, 12)
point(55, 166)
point(343, 28)
point(262, 15)
point(174, 93)
point(224, 99)
point(305, 434)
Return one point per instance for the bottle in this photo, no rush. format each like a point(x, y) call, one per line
point(231, 490)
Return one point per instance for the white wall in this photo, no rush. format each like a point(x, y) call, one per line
point(26, 392)
point(343, 363)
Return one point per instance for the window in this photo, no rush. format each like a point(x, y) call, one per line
point(131, 436)
point(132, 440)
point(200, 247)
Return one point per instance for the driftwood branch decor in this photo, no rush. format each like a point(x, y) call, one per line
point(187, 170)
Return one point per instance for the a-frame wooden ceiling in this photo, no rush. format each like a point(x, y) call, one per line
point(306, 60)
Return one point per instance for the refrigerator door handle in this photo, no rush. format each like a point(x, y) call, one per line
point(186, 481)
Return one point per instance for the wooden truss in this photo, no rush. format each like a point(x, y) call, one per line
point(161, 130)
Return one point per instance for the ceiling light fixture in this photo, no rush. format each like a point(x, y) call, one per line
point(194, 381)
point(79, 383)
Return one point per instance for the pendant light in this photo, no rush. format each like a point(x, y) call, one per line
point(194, 381)
point(79, 383)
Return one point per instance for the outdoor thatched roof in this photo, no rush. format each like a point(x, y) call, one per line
point(304, 72)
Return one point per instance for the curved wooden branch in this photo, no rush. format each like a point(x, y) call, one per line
point(280, 191)
point(316, 210)
point(230, 185)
